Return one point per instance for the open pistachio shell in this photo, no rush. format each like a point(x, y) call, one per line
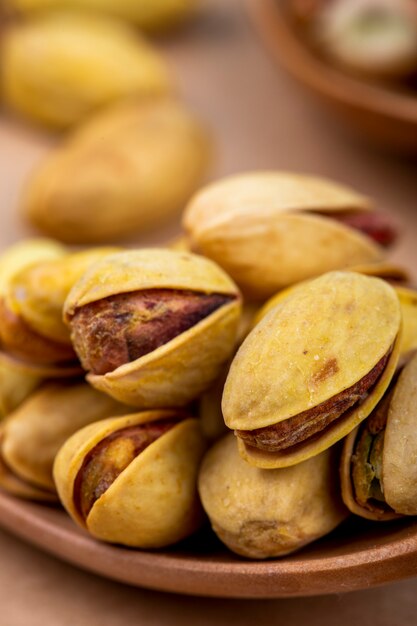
point(33, 434)
point(134, 166)
point(11, 483)
point(16, 383)
point(323, 340)
point(391, 461)
point(149, 15)
point(408, 303)
point(153, 501)
point(272, 229)
point(268, 513)
point(59, 67)
point(181, 369)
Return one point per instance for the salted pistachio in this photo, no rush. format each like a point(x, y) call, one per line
point(158, 330)
point(134, 166)
point(269, 230)
point(31, 326)
point(378, 473)
point(269, 513)
point(16, 383)
point(33, 433)
point(59, 67)
point(313, 368)
point(132, 480)
point(150, 15)
point(377, 38)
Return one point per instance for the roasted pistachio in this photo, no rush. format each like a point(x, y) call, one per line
point(377, 38)
point(149, 15)
point(59, 67)
point(313, 368)
point(17, 382)
point(158, 330)
point(268, 513)
point(134, 166)
point(132, 480)
point(33, 434)
point(378, 471)
point(269, 230)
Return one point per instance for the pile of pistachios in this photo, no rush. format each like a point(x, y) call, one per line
point(258, 371)
point(373, 39)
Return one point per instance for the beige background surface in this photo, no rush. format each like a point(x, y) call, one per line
point(261, 120)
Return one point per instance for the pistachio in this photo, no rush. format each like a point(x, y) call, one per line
point(313, 368)
point(149, 15)
point(269, 230)
point(132, 480)
point(378, 476)
point(134, 165)
point(268, 513)
point(158, 331)
point(33, 434)
point(59, 67)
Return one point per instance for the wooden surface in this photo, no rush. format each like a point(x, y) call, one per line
point(261, 120)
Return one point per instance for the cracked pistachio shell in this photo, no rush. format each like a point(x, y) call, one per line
point(38, 293)
point(269, 513)
point(322, 339)
point(33, 434)
point(59, 67)
point(11, 483)
point(17, 382)
point(25, 253)
point(154, 501)
point(134, 165)
point(264, 230)
point(149, 15)
point(180, 370)
point(399, 456)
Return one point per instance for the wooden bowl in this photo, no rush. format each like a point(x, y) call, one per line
point(358, 555)
point(385, 116)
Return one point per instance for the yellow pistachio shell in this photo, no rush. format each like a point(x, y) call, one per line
point(134, 166)
point(38, 293)
point(268, 513)
point(42, 371)
point(59, 67)
point(153, 502)
point(385, 269)
point(33, 433)
point(263, 230)
point(399, 459)
point(16, 383)
point(149, 15)
point(294, 359)
point(25, 253)
point(408, 303)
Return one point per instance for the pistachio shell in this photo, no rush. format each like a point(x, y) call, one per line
point(59, 67)
point(408, 303)
point(180, 370)
point(399, 469)
point(38, 293)
point(268, 513)
point(262, 228)
point(134, 165)
point(321, 340)
point(153, 502)
point(152, 15)
point(24, 254)
point(16, 383)
point(69, 370)
point(385, 269)
point(33, 433)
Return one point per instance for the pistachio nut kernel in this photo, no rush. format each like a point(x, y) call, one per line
point(133, 480)
point(31, 326)
point(313, 368)
point(158, 329)
point(269, 230)
point(377, 475)
point(30, 441)
point(135, 165)
point(61, 66)
point(269, 513)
